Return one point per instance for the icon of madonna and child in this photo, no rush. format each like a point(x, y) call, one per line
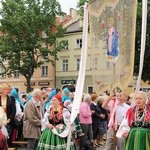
point(112, 53)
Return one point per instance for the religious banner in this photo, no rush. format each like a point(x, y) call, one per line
point(112, 43)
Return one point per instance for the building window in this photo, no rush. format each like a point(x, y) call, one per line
point(44, 70)
point(66, 45)
point(79, 43)
point(90, 89)
point(16, 74)
point(78, 64)
point(65, 65)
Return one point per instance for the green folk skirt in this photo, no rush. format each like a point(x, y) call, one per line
point(50, 141)
point(138, 139)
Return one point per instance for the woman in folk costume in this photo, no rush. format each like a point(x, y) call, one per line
point(76, 127)
point(65, 95)
point(136, 126)
point(53, 121)
point(3, 130)
point(48, 100)
point(67, 102)
point(18, 120)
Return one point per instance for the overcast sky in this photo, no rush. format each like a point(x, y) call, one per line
point(67, 4)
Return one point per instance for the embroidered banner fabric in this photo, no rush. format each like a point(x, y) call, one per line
point(112, 39)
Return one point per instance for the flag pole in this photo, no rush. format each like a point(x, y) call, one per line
point(143, 40)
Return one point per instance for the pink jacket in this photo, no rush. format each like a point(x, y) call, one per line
point(85, 114)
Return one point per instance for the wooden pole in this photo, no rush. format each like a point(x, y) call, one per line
point(114, 118)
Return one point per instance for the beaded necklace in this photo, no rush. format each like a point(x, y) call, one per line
point(139, 116)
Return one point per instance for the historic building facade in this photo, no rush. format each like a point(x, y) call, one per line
point(67, 67)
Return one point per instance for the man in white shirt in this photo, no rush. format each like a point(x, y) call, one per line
point(118, 108)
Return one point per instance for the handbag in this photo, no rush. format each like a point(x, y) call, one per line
point(123, 127)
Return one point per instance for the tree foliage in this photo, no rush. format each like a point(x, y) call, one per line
point(80, 5)
point(23, 24)
point(146, 67)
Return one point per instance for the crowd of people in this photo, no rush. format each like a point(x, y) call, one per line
point(42, 118)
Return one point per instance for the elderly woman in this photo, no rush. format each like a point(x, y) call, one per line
point(136, 128)
point(86, 120)
point(96, 118)
point(53, 126)
point(104, 121)
point(18, 120)
point(7, 102)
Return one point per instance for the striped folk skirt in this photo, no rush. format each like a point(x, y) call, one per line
point(138, 139)
point(50, 141)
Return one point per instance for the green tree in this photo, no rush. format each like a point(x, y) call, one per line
point(80, 5)
point(22, 44)
point(146, 66)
